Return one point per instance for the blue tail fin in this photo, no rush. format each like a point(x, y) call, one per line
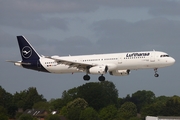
point(26, 49)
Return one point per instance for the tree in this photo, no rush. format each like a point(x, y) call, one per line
point(41, 105)
point(3, 113)
point(108, 113)
point(78, 102)
point(57, 104)
point(53, 117)
point(89, 114)
point(27, 98)
point(134, 118)
point(172, 106)
point(33, 97)
point(142, 98)
point(74, 113)
point(154, 109)
point(64, 111)
point(75, 107)
point(128, 110)
point(6, 101)
point(26, 117)
point(69, 95)
point(99, 95)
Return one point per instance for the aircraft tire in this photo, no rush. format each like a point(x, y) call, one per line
point(101, 78)
point(156, 75)
point(86, 77)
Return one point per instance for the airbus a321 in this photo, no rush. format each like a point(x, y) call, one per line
point(116, 64)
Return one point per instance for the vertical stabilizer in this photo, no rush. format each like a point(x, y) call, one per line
point(26, 50)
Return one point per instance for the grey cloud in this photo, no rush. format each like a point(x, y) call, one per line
point(29, 14)
point(46, 6)
point(69, 6)
point(169, 10)
point(34, 23)
point(6, 39)
point(152, 32)
point(76, 44)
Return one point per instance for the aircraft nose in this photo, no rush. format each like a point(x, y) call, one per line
point(172, 60)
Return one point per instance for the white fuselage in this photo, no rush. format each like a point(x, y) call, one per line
point(116, 64)
point(115, 61)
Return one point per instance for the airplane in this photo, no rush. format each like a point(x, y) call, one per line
point(116, 64)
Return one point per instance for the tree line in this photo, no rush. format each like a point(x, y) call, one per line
point(91, 101)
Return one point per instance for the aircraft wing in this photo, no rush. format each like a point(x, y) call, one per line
point(78, 65)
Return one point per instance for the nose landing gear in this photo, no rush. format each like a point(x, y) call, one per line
point(156, 74)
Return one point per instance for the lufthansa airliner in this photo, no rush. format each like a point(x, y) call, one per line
point(116, 64)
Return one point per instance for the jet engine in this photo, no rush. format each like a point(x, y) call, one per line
point(98, 69)
point(119, 72)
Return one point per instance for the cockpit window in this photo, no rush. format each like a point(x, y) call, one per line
point(164, 56)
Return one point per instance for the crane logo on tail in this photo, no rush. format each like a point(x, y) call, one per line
point(26, 52)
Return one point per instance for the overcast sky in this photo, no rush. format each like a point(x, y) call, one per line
point(75, 27)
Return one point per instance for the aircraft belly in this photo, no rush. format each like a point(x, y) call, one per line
point(134, 64)
point(61, 69)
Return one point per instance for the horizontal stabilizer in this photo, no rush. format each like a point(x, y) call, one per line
point(18, 62)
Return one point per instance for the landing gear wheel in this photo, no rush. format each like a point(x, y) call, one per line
point(101, 78)
point(86, 77)
point(156, 75)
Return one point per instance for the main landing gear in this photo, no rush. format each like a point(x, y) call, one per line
point(101, 78)
point(156, 74)
point(87, 78)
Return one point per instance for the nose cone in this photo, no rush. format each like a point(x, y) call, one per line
point(172, 60)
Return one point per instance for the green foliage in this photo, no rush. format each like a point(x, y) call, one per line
point(89, 114)
point(78, 102)
point(26, 117)
point(3, 110)
point(53, 117)
point(3, 116)
point(120, 101)
point(57, 104)
point(3, 113)
point(74, 108)
point(41, 105)
point(142, 98)
point(162, 99)
point(108, 113)
point(134, 118)
point(64, 111)
point(99, 95)
point(128, 110)
point(6, 101)
point(74, 113)
point(69, 95)
point(27, 98)
point(18, 115)
point(172, 106)
point(154, 109)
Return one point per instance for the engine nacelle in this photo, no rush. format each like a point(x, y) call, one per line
point(98, 69)
point(119, 72)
